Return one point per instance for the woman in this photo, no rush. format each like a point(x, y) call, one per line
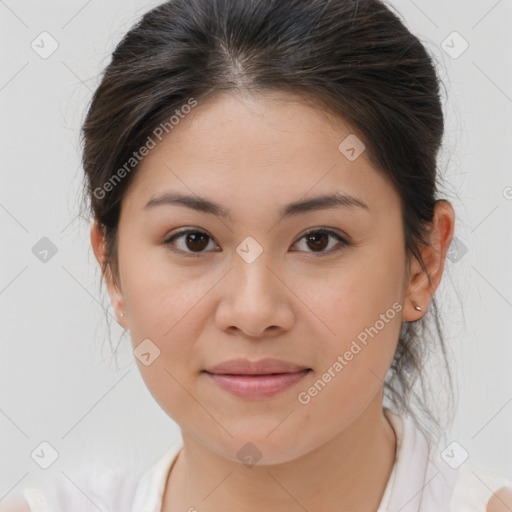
point(262, 177)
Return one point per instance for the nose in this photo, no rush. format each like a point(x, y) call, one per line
point(255, 300)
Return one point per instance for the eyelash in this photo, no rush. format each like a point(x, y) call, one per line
point(342, 242)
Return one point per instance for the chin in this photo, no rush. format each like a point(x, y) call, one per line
point(261, 446)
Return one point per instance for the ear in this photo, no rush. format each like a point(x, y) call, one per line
point(419, 290)
point(116, 295)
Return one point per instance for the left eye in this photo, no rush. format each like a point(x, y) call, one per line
point(196, 241)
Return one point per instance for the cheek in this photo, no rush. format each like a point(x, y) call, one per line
point(166, 380)
point(165, 308)
point(160, 297)
point(358, 310)
point(354, 360)
point(348, 300)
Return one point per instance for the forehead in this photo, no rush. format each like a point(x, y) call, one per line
point(272, 123)
point(258, 146)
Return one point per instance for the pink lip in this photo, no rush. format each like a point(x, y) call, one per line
point(257, 386)
point(263, 366)
point(256, 379)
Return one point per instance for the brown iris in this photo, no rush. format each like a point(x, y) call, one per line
point(319, 240)
point(197, 240)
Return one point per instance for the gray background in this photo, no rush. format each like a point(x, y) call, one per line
point(58, 381)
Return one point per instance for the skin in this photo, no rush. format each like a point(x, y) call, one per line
point(253, 154)
point(501, 501)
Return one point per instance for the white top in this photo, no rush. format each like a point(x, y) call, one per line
point(420, 482)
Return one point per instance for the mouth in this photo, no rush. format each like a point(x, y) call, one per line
point(257, 385)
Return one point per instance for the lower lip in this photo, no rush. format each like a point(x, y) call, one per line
point(257, 386)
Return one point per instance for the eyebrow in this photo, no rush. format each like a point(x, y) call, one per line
point(204, 205)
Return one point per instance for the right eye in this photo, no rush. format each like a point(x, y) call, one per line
point(193, 239)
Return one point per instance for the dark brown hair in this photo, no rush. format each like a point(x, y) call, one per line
point(355, 59)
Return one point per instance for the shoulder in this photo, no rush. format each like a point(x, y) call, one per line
point(501, 501)
point(482, 490)
point(17, 505)
point(107, 490)
point(98, 487)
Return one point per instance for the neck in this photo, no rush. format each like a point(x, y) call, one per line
point(349, 472)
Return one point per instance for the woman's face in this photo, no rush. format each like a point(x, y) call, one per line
point(252, 284)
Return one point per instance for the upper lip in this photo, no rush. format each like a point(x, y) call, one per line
point(261, 367)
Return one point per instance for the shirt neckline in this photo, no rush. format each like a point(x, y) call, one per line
point(398, 427)
point(151, 487)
